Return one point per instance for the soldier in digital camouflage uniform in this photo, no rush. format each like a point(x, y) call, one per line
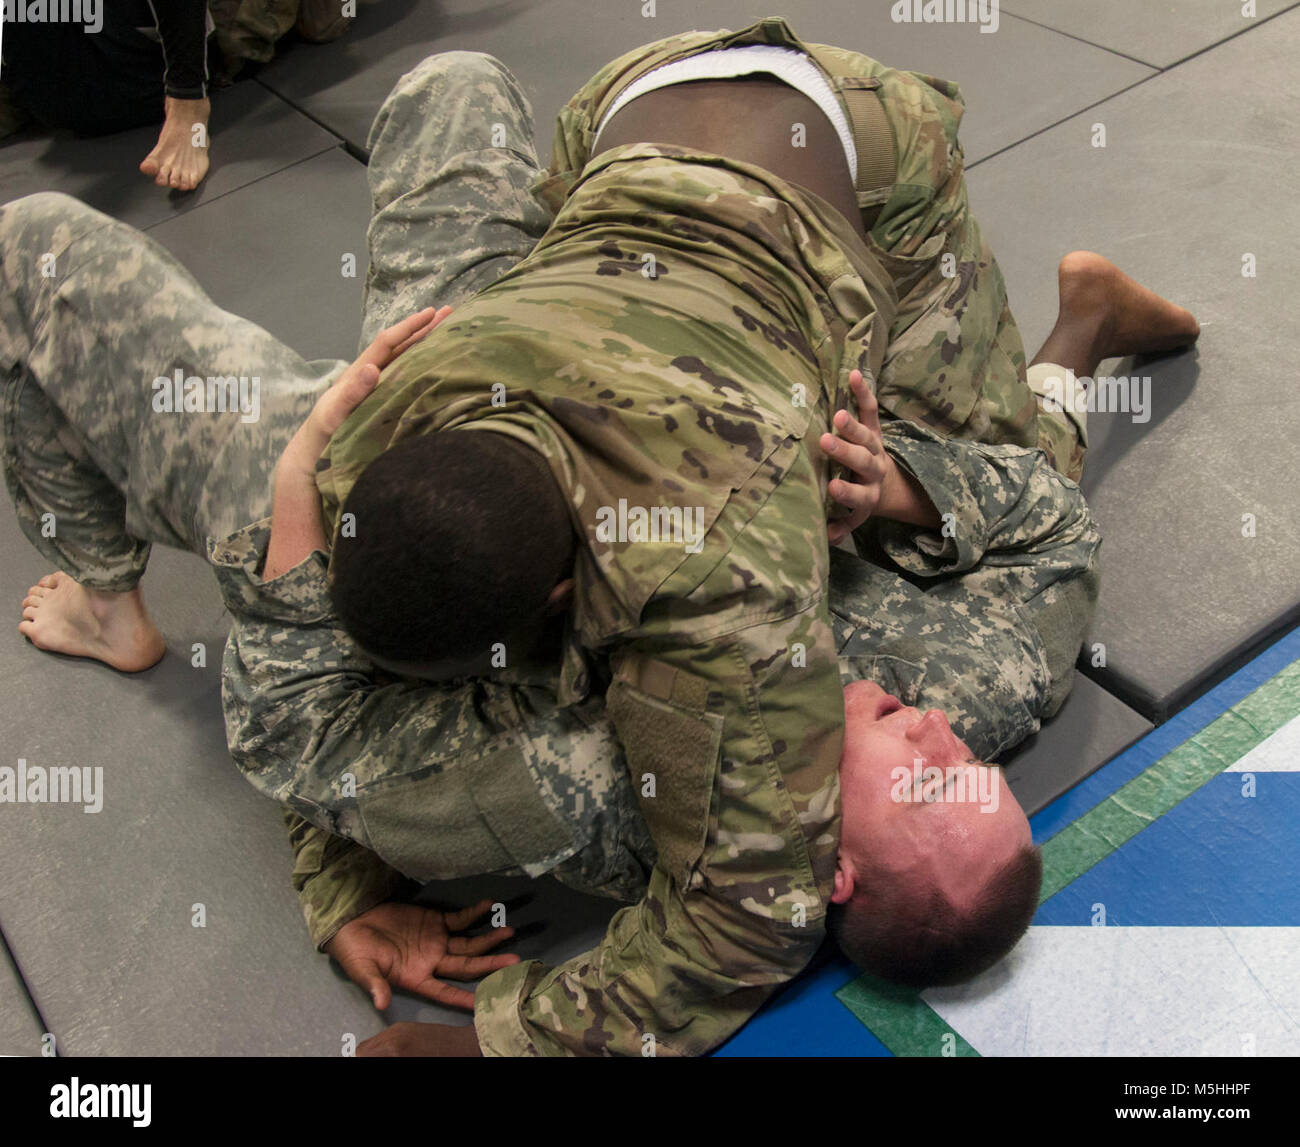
point(444, 228)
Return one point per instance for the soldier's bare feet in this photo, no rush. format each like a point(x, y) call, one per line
point(1128, 318)
point(180, 158)
point(61, 616)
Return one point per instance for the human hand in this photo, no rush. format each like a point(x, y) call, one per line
point(352, 387)
point(431, 1040)
point(296, 528)
point(407, 946)
point(859, 447)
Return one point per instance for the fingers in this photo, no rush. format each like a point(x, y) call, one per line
point(392, 341)
point(857, 444)
point(399, 332)
point(352, 387)
point(461, 919)
point(419, 334)
point(861, 500)
point(865, 429)
point(445, 994)
point(855, 495)
point(477, 945)
point(866, 460)
point(474, 967)
point(859, 432)
point(868, 407)
point(380, 350)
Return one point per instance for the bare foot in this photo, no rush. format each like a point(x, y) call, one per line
point(1130, 318)
point(180, 158)
point(61, 616)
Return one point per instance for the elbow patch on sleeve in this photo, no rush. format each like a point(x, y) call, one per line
point(481, 816)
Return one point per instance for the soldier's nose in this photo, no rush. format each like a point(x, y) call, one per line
point(932, 726)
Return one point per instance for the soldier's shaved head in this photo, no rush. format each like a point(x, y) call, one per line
point(460, 541)
point(938, 876)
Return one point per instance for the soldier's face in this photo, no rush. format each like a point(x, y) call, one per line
point(916, 802)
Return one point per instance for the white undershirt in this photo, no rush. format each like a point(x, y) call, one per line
point(793, 68)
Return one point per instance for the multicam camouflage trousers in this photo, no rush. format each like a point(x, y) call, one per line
point(109, 444)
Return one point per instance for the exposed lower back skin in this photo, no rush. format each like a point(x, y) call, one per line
point(750, 118)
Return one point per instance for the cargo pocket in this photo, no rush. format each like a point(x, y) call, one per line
point(673, 747)
point(471, 819)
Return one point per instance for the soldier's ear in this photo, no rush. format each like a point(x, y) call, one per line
point(845, 880)
point(560, 596)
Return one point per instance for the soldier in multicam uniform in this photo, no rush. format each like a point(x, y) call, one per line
point(743, 738)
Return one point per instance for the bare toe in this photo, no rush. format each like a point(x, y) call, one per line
point(66, 617)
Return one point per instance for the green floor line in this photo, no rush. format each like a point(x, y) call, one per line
point(1091, 838)
point(908, 1026)
point(901, 1020)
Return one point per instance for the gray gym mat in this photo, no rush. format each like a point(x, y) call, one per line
point(253, 135)
point(1091, 728)
point(99, 909)
point(555, 46)
point(1194, 178)
point(1157, 33)
point(21, 1030)
point(274, 252)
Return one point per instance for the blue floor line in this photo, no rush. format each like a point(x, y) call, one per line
point(1138, 758)
point(1219, 859)
point(807, 1021)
